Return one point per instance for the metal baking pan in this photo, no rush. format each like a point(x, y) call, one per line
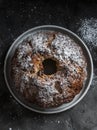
point(65, 106)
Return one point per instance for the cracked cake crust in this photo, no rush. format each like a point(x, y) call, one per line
point(28, 72)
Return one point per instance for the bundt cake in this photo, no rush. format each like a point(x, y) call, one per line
point(48, 68)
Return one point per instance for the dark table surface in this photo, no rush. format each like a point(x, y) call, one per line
point(17, 17)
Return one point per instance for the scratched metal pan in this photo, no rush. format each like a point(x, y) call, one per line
point(65, 106)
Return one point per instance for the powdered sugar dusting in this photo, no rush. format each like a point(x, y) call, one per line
point(67, 49)
point(46, 89)
point(24, 59)
point(88, 30)
point(39, 42)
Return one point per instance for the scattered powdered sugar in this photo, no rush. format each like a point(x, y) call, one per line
point(46, 93)
point(26, 63)
point(24, 82)
point(58, 121)
point(39, 42)
point(66, 48)
point(24, 59)
point(88, 30)
point(62, 47)
point(25, 78)
point(23, 49)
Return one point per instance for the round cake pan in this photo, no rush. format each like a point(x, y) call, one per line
point(65, 106)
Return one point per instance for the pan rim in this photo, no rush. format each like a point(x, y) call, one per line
point(74, 35)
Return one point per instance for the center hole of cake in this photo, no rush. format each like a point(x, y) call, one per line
point(49, 66)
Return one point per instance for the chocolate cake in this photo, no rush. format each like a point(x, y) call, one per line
point(48, 69)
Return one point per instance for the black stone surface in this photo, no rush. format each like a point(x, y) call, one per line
point(15, 18)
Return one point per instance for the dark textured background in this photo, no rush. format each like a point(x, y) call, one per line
point(17, 17)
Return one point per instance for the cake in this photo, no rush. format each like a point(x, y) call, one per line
point(48, 69)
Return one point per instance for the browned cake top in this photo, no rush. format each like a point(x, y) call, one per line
point(48, 68)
